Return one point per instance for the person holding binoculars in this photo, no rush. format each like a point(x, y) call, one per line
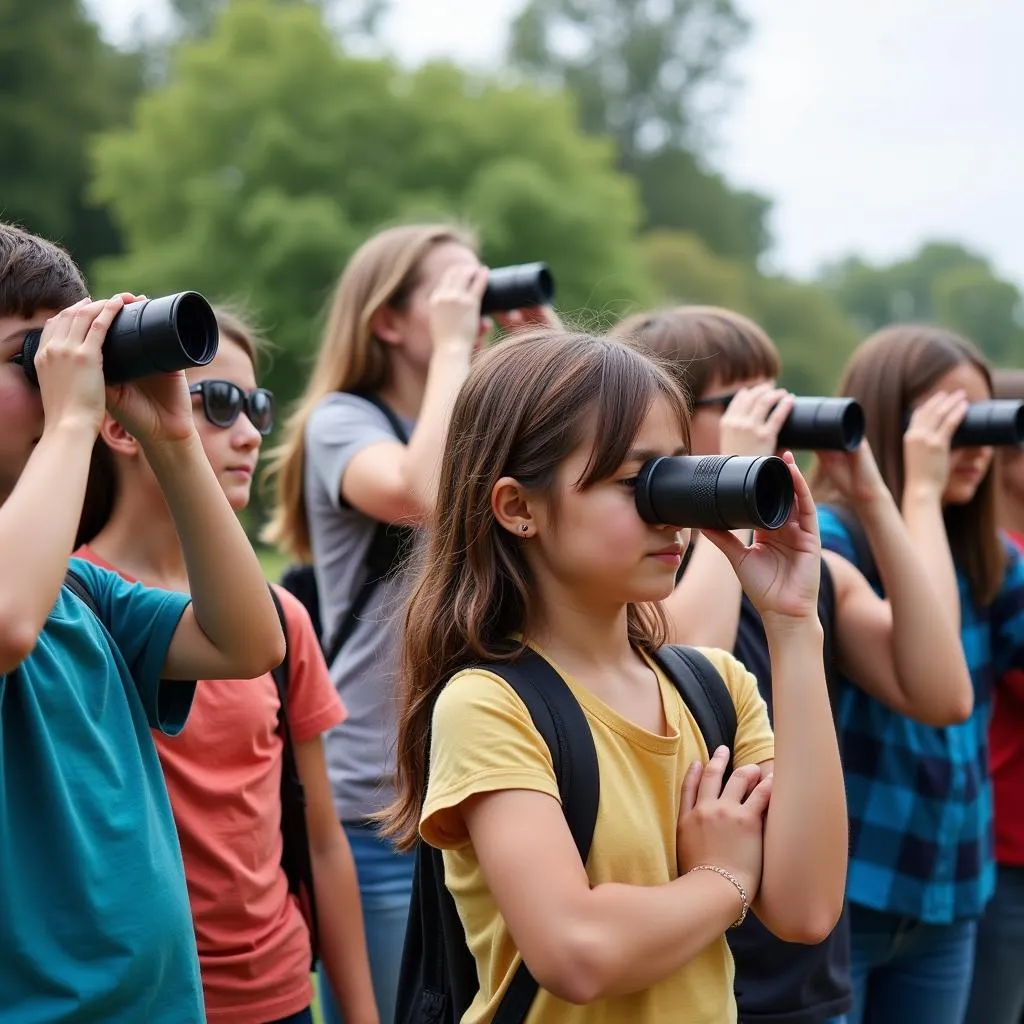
point(921, 862)
point(95, 921)
point(537, 538)
point(356, 477)
point(729, 366)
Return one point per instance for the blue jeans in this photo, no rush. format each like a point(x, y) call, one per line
point(905, 971)
point(385, 887)
point(997, 993)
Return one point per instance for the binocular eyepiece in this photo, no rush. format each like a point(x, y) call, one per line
point(715, 492)
point(160, 335)
point(823, 424)
point(520, 287)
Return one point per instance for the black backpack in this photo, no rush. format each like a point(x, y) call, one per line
point(388, 549)
point(438, 978)
point(295, 857)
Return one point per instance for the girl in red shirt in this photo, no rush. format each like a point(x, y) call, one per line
point(224, 772)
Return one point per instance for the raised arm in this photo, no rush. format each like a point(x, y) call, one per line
point(805, 835)
point(897, 649)
point(231, 629)
point(393, 482)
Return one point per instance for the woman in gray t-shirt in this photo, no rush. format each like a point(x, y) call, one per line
point(404, 325)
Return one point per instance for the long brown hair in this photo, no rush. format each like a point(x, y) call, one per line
point(704, 344)
point(101, 487)
point(383, 272)
point(527, 405)
point(886, 374)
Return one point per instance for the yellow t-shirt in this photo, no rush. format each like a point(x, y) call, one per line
point(484, 740)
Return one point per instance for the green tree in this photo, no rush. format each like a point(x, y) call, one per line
point(813, 335)
point(59, 83)
point(944, 283)
point(270, 155)
point(643, 72)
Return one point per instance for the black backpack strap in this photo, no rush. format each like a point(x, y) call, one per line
point(81, 590)
point(827, 616)
point(295, 858)
point(560, 720)
point(861, 547)
point(705, 694)
point(388, 549)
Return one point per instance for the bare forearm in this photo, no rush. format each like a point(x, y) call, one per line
point(342, 937)
point(232, 604)
point(805, 840)
point(37, 534)
point(448, 368)
point(928, 659)
point(629, 937)
point(926, 526)
point(704, 609)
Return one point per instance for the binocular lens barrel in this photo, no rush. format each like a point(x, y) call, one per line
point(716, 492)
point(823, 424)
point(520, 287)
point(997, 422)
point(160, 335)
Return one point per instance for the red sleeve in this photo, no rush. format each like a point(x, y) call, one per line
point(313, 704)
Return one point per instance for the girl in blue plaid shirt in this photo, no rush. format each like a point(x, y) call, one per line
point(921, 858)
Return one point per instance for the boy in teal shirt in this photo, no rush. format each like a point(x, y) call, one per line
point(94, 916)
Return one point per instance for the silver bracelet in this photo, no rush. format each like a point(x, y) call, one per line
point(735, 881)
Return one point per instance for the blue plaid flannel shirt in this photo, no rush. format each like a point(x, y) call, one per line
point(919, 797)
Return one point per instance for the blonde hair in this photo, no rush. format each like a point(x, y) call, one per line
point(383, 272)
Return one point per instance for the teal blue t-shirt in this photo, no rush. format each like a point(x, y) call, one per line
point(94, 915)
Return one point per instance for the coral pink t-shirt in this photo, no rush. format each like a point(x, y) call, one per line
point(223, 775)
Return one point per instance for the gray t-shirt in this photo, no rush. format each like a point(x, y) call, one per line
point(360, 751)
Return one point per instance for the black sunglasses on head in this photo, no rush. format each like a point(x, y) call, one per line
point(223, 403)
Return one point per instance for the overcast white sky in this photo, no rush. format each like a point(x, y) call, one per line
point(873, 124)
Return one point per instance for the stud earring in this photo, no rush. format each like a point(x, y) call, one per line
point(524, 527)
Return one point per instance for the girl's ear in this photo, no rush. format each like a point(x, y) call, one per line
point(385, 326)
point(511, 507)
point(116, 438)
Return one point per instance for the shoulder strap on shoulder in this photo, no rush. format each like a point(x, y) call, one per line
point(81, 590)
point(295, 857)
point(396, 424)
point(560, 720)
point(388, 548)
point(859, 541)
point(827, 615)
point(704, 692)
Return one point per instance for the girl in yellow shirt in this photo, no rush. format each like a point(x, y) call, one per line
point(536, 535)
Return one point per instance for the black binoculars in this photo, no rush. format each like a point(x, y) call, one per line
point(153, 336)
point(520, 287)
point(997, 422)
point(715, 492)
point(823, 424)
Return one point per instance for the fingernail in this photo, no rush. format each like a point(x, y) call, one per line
point(722, 751)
